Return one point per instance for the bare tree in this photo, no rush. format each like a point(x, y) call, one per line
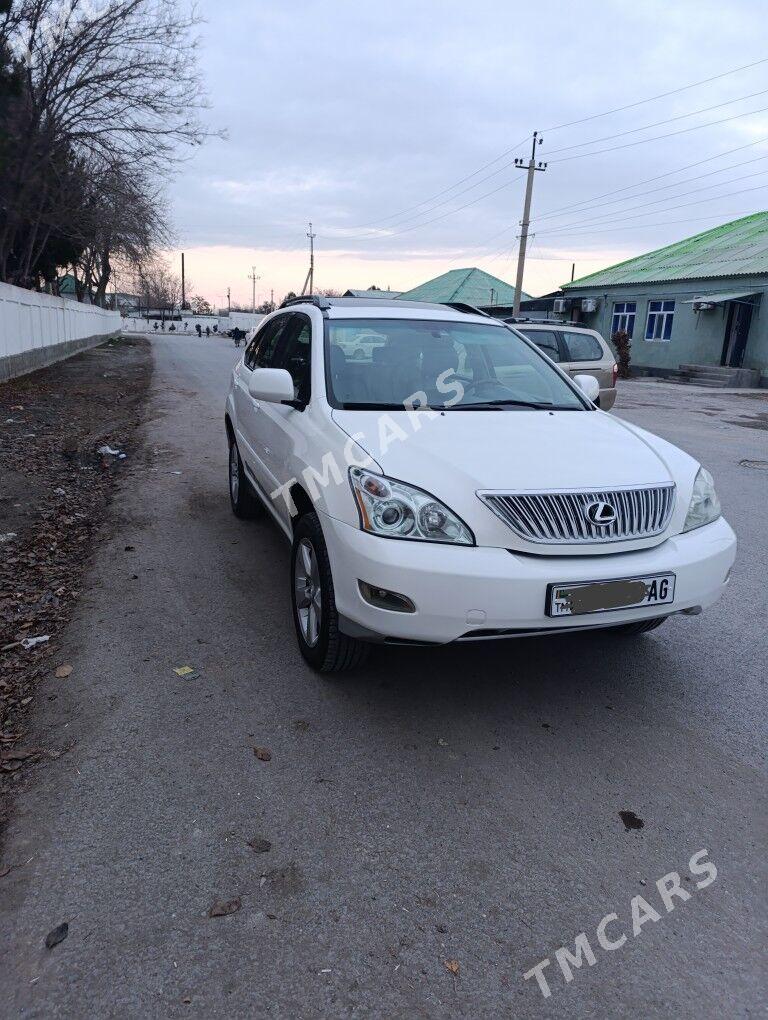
point(111, 91)
point(157, 285)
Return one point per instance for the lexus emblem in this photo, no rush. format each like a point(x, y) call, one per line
point(600, 514)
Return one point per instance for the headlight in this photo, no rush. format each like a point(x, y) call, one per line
point(705, 506)
point(397, 510)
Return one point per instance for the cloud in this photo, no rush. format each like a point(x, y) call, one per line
point(359, 117)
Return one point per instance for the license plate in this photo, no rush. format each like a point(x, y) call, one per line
point(604, 596)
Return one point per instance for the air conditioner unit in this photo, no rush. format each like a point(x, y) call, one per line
point(589, 304)
point(702, 305)
point(560, 305)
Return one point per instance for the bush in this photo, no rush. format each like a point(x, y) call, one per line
point(621, 345)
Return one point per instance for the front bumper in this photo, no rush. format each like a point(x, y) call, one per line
point(461, 592)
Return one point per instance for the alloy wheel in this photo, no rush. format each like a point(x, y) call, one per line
point(306, 582)
point(234, 472)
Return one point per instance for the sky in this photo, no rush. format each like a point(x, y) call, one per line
point(372, 122)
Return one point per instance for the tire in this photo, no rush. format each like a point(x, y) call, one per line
point(641, 627)
point(315, 617)
point(243, 500)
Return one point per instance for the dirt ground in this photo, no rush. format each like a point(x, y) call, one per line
point(55, 490)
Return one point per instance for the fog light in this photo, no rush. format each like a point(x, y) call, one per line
point(383, 599)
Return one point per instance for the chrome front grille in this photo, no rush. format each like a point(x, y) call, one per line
point(561, 518)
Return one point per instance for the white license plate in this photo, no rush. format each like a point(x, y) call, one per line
point(604, 596)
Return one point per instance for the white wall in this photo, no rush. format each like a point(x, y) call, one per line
point(30, 321)
point(243, 320)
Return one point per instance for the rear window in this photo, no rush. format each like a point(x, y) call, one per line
point(582, 347)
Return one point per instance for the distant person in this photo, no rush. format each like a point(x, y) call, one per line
point(186, 327)
point(155, 324)
point(215, 328)
point(198, 329)
point(171, 328)
point(208, 331)
point(162, 325)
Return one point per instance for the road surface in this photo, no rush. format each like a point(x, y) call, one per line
point(439, 824)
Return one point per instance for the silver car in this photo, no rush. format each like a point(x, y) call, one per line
point(578, 351)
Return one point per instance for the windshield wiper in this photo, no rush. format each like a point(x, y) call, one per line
point(387, 407)
point(360, 406)
point(496, 405)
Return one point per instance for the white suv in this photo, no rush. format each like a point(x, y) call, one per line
point(453, 484)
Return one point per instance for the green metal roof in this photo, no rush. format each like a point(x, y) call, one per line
point(472, 286)
point(738, 248)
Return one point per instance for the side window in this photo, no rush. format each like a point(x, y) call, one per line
point(296, 355)
point(545, 340)
point(582, 347)
point(624, 317)
point(659, 323)
point(262, 349)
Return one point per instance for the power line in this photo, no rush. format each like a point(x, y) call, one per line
point(670, 198)
point(655, 138)
point(557, 127)
point(598, 198)
point(439, 194)
point(431, 208)
point(658, 123)
point(375, 235)
point(652, 99)
point(634, 226)
point(406, 230)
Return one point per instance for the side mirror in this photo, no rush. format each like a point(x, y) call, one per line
point(271, 384)
point(589, 386)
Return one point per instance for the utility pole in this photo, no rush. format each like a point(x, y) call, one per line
point(253, 277)
point(272, 298)
point(310, 278)
point(183, 284)
point(533, 166)
point(229, 302)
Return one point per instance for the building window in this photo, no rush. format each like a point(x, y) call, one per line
point(659, 324)
point(624, 317)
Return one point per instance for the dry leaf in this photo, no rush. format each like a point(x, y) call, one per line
point(222, 909)
point(452, 966)
point(262, 753)
point(261, 846)
point(56, 935)
point(63, 671)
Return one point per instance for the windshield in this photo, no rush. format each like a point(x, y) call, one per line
point(396, 363)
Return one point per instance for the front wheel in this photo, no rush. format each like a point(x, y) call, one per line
point(315, 617)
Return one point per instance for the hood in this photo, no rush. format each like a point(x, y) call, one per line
point(455, 454)
point(533, 450)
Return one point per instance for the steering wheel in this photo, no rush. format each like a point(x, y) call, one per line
point(495, 383)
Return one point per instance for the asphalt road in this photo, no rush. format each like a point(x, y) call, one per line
point(452, 805)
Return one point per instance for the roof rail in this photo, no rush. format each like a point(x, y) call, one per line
point(462, 306)
point(306, 299)
point(512, 320)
